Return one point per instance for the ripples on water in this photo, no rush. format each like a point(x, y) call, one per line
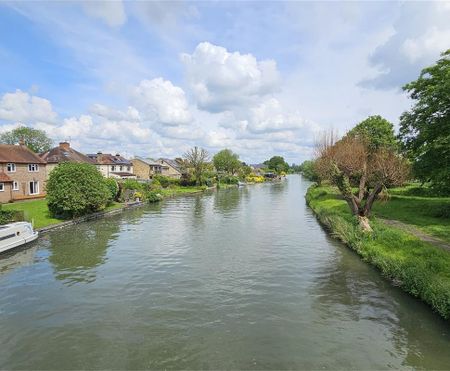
point(240, 278)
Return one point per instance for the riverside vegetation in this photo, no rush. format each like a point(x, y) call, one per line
point(362, 196)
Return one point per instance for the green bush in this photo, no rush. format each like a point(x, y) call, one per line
point(75, 189)
point(163, 180)
point(153, 196)
point(132, 184)
point(8, 216)
point(113, 188)
point(229, 179)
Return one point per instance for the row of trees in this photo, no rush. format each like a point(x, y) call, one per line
point(370, 158)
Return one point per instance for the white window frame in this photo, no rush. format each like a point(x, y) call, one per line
point(11, 167)
point(120, 168)
point(113, 168)
point(36, 183)
point(2, 187)
point(33, 168)
point(15, 186)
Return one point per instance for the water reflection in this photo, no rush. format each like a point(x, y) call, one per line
point(17, 257)
point(76, 251)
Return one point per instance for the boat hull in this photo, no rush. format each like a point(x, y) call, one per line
point(15, 235)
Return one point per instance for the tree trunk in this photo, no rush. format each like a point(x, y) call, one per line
point(364, 224)
point(371, 199)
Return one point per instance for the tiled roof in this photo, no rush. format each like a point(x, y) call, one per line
point(18, 154)
point(150, 161)
point(109, 159)
point(5, 178)
point(172, 163)
point(58, 154)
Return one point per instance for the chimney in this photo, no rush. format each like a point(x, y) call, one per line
point(117, 154)
point(99, 153)
point(64, 145)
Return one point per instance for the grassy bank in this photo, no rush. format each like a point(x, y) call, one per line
point(419, 268)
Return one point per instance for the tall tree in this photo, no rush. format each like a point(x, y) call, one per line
point(425, 128)
point(227, 161)
point(197, 159)
point(34, 139)
point(376, 131)
point(277, 164)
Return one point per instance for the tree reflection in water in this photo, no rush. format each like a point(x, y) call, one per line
point(77, 250)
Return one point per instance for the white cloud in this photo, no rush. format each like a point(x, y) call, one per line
point(221, 80)
point(160, 101)
point(112, 12)
point(26, 108)
point(431, 43)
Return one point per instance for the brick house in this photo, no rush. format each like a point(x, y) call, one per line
point(64, 153)
point(113, 166)
point(171, 168)
point(22, 173)
point(146, 168)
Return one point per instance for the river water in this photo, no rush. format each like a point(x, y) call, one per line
point(236, 279)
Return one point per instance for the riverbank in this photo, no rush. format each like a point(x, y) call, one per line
point(36, 211)
point(418, 267)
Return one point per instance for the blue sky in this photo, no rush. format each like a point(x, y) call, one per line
point(261, 78)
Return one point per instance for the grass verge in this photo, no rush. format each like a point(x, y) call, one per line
point(419, 268)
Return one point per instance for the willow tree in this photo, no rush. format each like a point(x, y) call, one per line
point(360, 172)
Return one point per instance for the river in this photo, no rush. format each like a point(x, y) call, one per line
point(236, 279)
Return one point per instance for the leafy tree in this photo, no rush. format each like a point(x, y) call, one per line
point(308, 170)
point(34, 139)
point(350, 163)
point(75, 189)
point(113, 188)
point(277, 164)
point(197, 159)
point(226, 161)
point(425, 128)
point(377, 131)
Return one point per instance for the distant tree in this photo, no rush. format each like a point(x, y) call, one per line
point(376, 131)
point(227, 161)
point(350, 163)
point(307, 169)
point(245, 170)
point(75, 189)
point(197, 159)
point(277, 164)
point(113, 187)
point(34, 139)
point(425, 128)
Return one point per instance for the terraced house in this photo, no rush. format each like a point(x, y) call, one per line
point(113, 166)
point(22, 173)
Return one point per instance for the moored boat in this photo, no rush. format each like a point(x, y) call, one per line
point(16, 234)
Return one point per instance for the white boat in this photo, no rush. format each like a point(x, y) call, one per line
point(16, 234)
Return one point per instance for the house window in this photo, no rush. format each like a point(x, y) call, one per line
point(128, 168)
point(2, 187)
point(120, 168)
point(113, 168)
point(15, 186)
point(33, 168)
point(34, 187)
point(11, 168)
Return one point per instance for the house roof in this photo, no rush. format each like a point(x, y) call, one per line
point(171, 163)
point(18, 154)
point(60, 154)
point(149, 161)
point(5, 178)
point(109, 159)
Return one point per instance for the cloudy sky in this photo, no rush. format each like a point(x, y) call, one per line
point(261, 78)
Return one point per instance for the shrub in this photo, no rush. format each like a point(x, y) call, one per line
point(229, 179)
point(9, 216)
point(113, 188)
point(153, 196)
point(132, 184)
point(187, 181)
point(252, 178)
point(75, 189)
point(163, 180)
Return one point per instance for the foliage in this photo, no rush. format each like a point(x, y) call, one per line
point(417, 267)
point(253, 178)
point(425, 128)
point(376, 131)
point(34, 139)
point(113, 188)
point(197, 159)
point(351, 162)
point(132, 184)
point(10, 215)
point(75, 189)
point(277, 164)
point(245, 171)
point(153, 196)
point(307, 169)
point(227, 161)
point(229, 179)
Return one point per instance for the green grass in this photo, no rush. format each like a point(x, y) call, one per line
point(417, 267)
point(37, 211)
point(177, 190)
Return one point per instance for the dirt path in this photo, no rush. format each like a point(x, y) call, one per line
point(421, 235)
